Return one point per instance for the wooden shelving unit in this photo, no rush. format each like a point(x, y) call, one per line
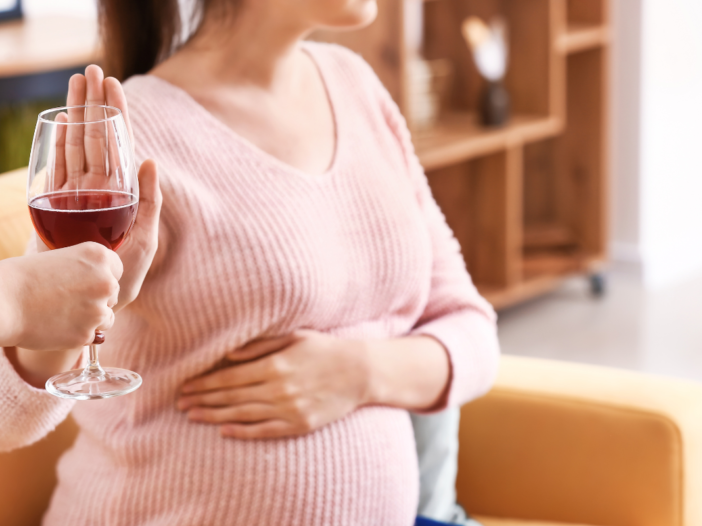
point(527, 201)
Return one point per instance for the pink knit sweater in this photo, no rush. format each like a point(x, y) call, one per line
point(255, 248)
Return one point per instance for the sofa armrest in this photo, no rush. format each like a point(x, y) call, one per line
point(15, 222)
point(583, 444)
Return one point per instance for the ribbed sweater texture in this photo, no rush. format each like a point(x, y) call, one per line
point(250, 248)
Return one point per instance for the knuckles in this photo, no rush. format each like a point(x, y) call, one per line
point(308, 424)
point(83, 337)
point(288, 390)
point(95, 253)
point(299, 407)
point(306, 419)
point(105, 288)
point(108, 318)
point(279, 365)
point(112, 287)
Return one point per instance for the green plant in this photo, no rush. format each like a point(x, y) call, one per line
point(17, 123)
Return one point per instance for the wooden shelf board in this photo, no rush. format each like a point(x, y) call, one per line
point(37, 45)
point(581, 37)
point(458, 137)
point(542, 274)
point(552, 263)
point(546, 235)
point(525, 290)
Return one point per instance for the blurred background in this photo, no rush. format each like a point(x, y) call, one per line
point(559, 137)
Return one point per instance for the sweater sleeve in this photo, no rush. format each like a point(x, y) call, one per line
point(27, 414)
point(455, 314)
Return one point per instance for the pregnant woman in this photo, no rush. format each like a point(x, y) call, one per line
point(306, 291)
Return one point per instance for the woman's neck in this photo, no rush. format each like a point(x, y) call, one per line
point(257, 49)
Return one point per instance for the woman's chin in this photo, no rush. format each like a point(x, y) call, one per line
point(359, 14)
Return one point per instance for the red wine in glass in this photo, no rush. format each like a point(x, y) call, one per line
point(66, 218)
point(83, 186)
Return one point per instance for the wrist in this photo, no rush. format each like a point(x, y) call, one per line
point(374, 385)
point(411, 373)
point(36, 367)
point(359, 367)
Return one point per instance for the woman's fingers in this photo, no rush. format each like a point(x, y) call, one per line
point(241, 375)
point(58, 164)
point(145, 232)
point(77, 90)
point(150, 198)
point(95, 132)
point(95, 91)
point(268, 429)
point(258, 348)
point(107, 323)
point(113, 299)
point(253, 412)
point(253, 393)
point(75, 160)
point(114, 94)
point(141, 246)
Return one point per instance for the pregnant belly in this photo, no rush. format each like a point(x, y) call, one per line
point(361, 470)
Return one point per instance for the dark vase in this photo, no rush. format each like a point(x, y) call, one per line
point(494, 105)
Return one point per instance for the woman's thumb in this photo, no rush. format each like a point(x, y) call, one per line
point(149, 192)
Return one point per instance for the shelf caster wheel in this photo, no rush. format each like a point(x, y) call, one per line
point(598, 285)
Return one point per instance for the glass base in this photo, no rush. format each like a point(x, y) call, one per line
point(93, 383)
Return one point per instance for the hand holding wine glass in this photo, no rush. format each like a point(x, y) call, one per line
point(83, 186)
point(55, 301)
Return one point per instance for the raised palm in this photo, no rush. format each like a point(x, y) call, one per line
point(80, 163)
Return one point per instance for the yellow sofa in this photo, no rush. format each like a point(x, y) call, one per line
point(553, 444)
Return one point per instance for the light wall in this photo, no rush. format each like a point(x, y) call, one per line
point(34, 8)
point(625, 150)
point(656, 161)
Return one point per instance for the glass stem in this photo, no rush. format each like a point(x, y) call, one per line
point(93, 368)
point(93, 360)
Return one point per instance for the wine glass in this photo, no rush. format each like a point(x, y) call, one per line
point(83, 186)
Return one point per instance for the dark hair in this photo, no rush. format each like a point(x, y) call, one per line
point(138, 34)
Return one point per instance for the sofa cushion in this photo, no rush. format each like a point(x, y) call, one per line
point(489, 521)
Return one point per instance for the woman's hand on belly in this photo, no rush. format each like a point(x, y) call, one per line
point(295, 384)
point(283, 386)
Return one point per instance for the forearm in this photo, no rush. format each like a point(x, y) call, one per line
point(411, 373)
point(36, 367)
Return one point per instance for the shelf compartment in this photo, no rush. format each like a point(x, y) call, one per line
point(477, 198)
point(542, 274)
point(592, 12)
point(582, 37)
point(581, 151)
point(458, 137)
point(528, 78)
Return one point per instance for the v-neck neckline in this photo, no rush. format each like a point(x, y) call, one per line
point(261, 153)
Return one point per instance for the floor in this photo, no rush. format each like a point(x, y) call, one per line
point(654, 331)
